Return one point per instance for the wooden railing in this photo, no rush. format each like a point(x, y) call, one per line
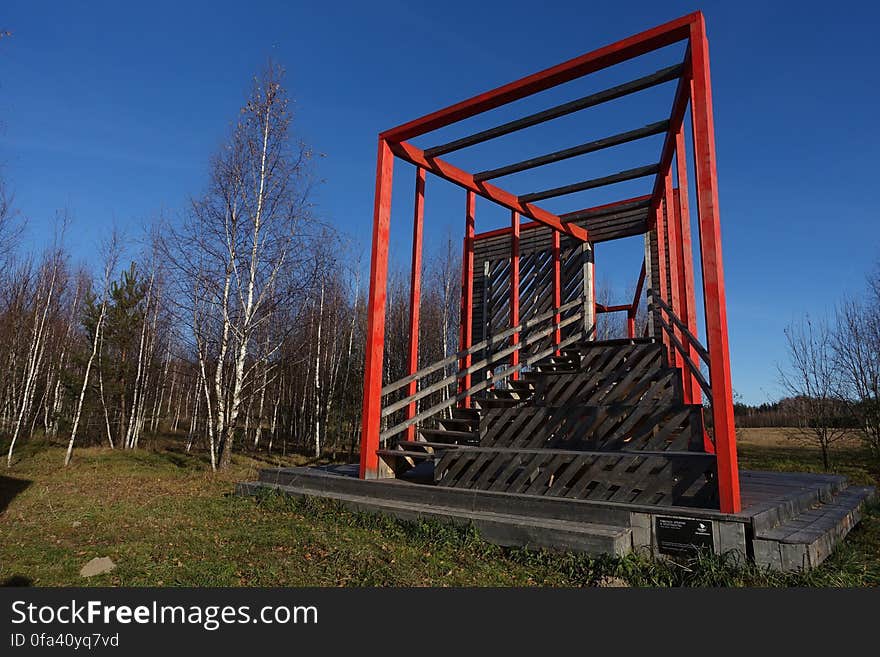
point(531, 332)
point(660, 308)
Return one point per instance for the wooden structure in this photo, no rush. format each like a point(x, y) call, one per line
point(536, 432)
point(528, 304)
point(789, 521)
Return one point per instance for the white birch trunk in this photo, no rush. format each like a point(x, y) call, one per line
point(34, 359)
point(82, 393)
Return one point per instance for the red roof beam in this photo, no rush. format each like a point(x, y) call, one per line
point(599, 209)
point(466, 180)
point(615, 53)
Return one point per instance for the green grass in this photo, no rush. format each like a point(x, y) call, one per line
point(166, 520)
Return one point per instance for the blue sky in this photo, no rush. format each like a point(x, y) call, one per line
point(114, 109)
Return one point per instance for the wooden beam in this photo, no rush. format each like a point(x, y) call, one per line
point(375, 346)
point(415, 291)
point(620, 51)
point(639, 203)
point(514, 288)
point(676, 118)
point(467, 292)
point(683, 208)
point(713, 271)
point(574, 151)
point(629, 174)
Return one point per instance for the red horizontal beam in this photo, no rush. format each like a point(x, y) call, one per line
point(464, 179)
point(676, 118)
point(536, 224)
point(620, 51)
point(602, 308)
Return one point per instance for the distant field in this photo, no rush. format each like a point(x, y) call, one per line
point(166, 520)
point(781, 436)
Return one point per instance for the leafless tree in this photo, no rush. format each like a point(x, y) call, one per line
point(50, 277)
point(813, 378)
point(11, 225)
point(857, 347)
point(111, 258)
point(245, 245)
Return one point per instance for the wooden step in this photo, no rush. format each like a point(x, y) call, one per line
point(803, 491)
point(505, 529)
point(402, 460)
point(405, 453)
point(555, 367)
point(331, 479)
point(466, 414)
point(416, 444)
point(449, 437)
point(664, 478)
point(506, 393)
point(522, 384)
point(457, 424)
point(617, 342)
point(590, 427)
point(807, 539)
point(489, 402)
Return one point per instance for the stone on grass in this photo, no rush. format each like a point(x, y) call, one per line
point(97, 566)
point(613, 582)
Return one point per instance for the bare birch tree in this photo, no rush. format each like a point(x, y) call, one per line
point(111, 259)
point(250, 234)
point(46, 294)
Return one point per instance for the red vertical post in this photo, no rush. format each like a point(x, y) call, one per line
point(415, 294)
point(689, 316)
point(673, 247)
point(681, 297)
point(630, 325)
point(514, 288)
point(659, 281)
point(375, 346)
point(467, 292)
point(557, 285)
point(713, 270)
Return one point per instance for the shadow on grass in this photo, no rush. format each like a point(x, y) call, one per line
point(17, 580)
point(10, 488)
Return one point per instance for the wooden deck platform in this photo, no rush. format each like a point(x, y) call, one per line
point(789, 521)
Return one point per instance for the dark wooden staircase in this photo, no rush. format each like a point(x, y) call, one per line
point(598, 421)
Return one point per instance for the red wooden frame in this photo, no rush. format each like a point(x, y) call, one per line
point(375, 347)
point(514, 287)
point(670, 215)
point(467, 292)
point(415, 293)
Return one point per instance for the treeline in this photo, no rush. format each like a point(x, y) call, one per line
point(832, 376)
point(239, 325)
point(786, 412)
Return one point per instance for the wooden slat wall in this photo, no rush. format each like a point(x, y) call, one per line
point(491, 306)
point(632, 478)
point(652, 267)
point(612, 429)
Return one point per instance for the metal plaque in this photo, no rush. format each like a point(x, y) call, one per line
point(683, 535)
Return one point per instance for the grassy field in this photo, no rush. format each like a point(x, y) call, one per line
point(166, 520)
